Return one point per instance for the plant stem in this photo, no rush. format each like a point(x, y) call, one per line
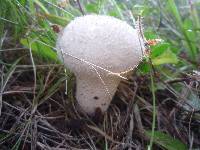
point(80, 7)
point(154, 110)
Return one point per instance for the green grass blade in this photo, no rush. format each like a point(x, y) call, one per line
point(174, 10)
point(9, 73)
point(166, 141)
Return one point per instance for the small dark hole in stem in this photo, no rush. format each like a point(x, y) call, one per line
point(96, 97)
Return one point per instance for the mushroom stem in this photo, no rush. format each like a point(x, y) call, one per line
point(95, 92)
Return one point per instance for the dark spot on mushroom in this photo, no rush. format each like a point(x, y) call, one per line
point(96, 97)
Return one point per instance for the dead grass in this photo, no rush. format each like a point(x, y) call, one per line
point(42, 116)
point(35, 112)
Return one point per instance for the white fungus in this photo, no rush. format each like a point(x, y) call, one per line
point(94, 47)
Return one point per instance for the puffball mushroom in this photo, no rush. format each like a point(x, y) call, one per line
point(97, 49)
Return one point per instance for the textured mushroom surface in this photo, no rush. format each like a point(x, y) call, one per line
point(104, 41)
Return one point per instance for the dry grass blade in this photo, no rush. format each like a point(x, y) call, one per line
point(103, 134)
point(35, 112)
point(5, 78)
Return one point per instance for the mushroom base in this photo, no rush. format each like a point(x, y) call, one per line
point(94, 93)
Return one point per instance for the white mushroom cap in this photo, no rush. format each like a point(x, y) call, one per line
point(93, 46)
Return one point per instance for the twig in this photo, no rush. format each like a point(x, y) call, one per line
point(80, 7)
